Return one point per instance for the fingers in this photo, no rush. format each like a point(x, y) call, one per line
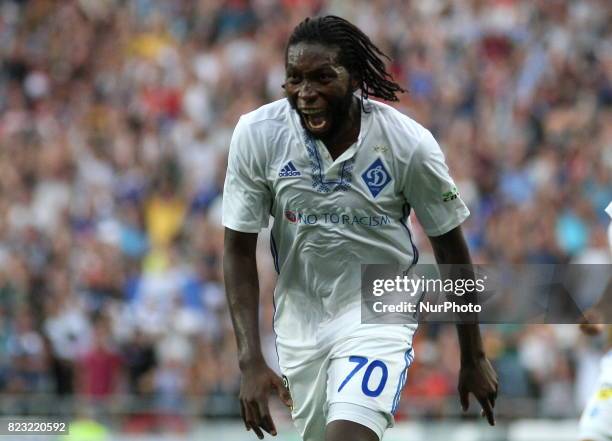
point(493, 397)
point(258, 432)
point(266, 422)
point(251, 418)
point(283, 393)
point(254, 402)
point(465, 399)
point(487, 409)
point(285, 397)
point(243, 415)
point(256, 415)
point(487, 403)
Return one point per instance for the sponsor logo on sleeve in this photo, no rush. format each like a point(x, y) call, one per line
point(450, 195)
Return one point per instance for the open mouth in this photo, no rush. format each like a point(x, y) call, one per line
point(315, 120)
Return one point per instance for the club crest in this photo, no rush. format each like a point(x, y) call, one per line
point(376, 177)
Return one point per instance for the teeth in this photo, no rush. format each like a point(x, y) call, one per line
point(316, 125)
point(315, 118)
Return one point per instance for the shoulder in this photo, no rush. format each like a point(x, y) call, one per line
point(408, 139)
point(266, 118)
point(257, 133)
point(396, 124)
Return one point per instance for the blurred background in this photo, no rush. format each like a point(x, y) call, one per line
point(115, 120)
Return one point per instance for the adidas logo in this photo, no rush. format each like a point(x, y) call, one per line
point(289, 171)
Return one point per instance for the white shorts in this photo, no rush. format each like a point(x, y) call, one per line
point(596, 420)
point(359, 379)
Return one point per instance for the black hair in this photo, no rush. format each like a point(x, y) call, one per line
point(357, 53)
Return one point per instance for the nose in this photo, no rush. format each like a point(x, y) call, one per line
point(306, 92)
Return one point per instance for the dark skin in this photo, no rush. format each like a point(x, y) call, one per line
point(476, 375)
point(320, 87)
point(242, 289)
point(317, 81)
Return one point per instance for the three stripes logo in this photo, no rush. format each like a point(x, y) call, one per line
point(289, 171)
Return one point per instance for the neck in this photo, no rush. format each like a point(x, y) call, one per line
point(347, 135)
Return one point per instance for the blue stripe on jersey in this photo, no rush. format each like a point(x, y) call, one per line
point(402, 380)
point(274, 251)
point(314, 151)
point(415, 250)
point(274, 314)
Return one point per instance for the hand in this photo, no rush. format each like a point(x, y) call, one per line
point(590, 325)
point(479, 378)
point(256, 384)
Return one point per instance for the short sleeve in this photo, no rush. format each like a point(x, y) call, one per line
point(430, 190)
point(609, 211)
point(246, 195)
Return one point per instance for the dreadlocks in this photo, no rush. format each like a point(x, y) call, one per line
point(357, 53)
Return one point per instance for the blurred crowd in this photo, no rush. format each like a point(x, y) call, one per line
point(115, 120)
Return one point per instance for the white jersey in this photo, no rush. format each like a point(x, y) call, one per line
point(609, 211)
point(605, 376)
point(330, 216)
point(596, 420)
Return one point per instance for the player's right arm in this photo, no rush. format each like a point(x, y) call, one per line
point(246, 209)
point(242, 290)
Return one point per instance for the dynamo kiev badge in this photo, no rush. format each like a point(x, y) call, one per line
point(376, 177)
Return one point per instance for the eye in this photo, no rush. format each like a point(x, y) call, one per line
point(325, 78)
point(293, 80)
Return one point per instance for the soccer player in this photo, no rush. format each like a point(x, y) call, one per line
point(596, 421)
point(340, 174)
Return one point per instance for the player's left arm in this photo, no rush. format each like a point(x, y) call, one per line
point(432, 194)
point(476, 375)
